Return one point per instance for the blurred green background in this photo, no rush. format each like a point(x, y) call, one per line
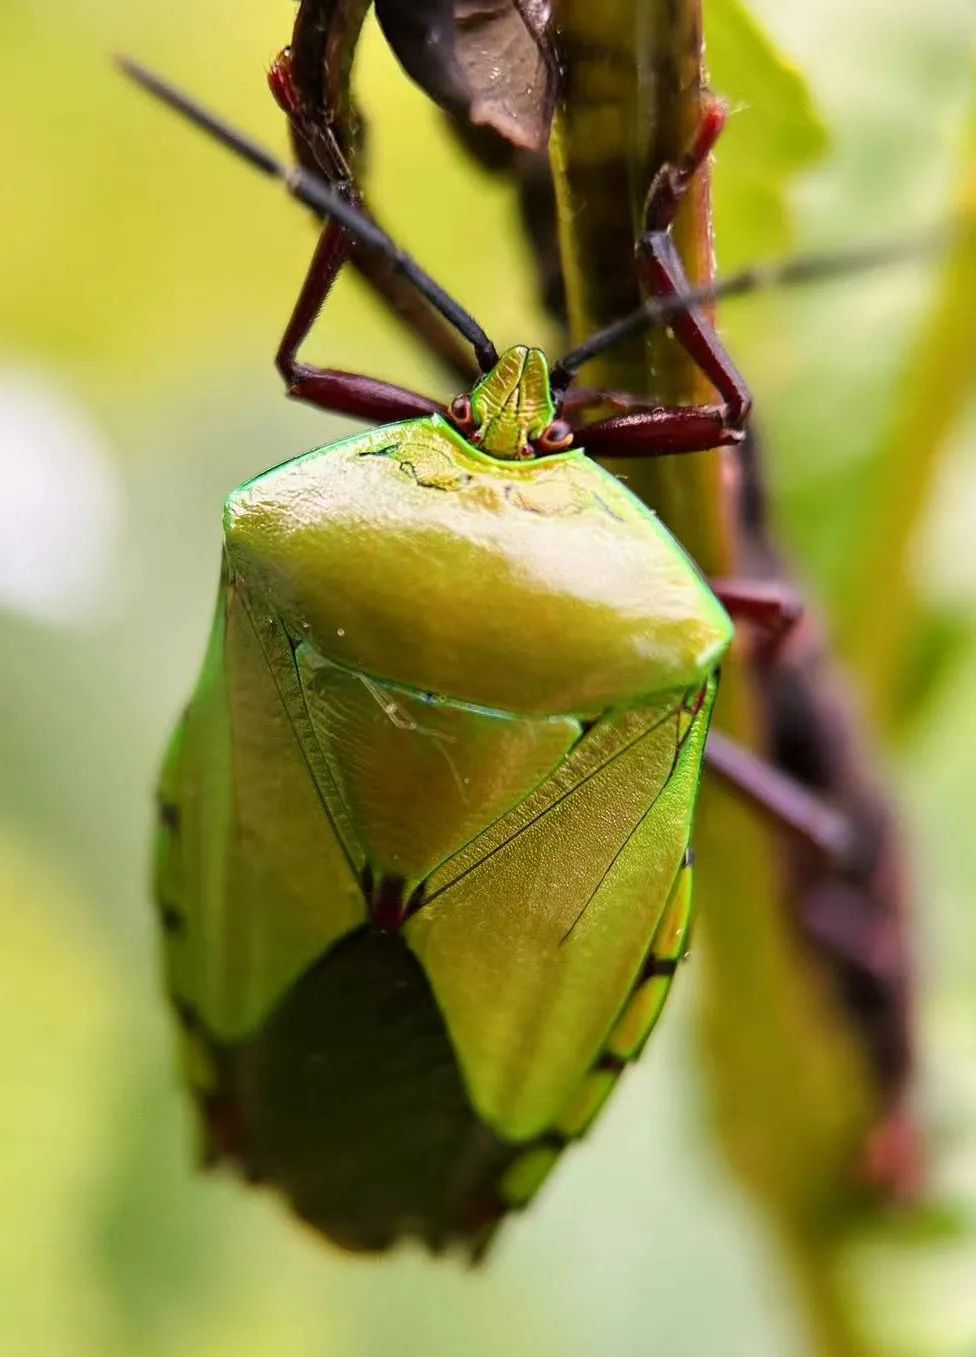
point(144, 282)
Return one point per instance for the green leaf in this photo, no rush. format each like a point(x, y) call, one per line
point(935, 388)
point(774, 133)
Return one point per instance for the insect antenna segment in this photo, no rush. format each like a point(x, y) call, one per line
point(326, 201)
point(792, 272)
point(313, 191)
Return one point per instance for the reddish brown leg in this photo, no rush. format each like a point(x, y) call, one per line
point(640, 427)
point(772, 605)
point(346, 393)
point(663, 273)
point(662, 432)
point(672, 181)
point(326, 156)
point(787, 803)
point(669, 430)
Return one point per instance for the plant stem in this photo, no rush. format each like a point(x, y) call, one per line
point(793, 1097)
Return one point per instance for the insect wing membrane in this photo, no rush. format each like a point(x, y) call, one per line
point(253, 883)
point(534, 938)
point(420, 777)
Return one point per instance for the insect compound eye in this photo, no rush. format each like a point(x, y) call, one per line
point(461, 413)
point(556, 438)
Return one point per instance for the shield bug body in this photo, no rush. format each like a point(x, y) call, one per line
point(425, 843)
point(424, 865)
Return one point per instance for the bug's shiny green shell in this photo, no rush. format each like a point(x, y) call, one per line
point(541, 588)
point(477, 688)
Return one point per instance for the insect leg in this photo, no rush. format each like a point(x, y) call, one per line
point(772, 605)
point(332, 204)
point(346, 393)
point(670, 185)
point(662, 432)
point(786, 802)
point(318, 148)
point(663, 275)
point(676, 429)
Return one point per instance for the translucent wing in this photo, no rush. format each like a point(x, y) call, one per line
point(252, 879)
point(534, 937)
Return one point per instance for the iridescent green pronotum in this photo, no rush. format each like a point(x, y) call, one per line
point(424, 857)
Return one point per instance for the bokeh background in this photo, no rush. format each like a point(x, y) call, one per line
point(143, 284)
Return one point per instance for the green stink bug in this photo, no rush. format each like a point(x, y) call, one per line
point(424, 863)
point(433, 673)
